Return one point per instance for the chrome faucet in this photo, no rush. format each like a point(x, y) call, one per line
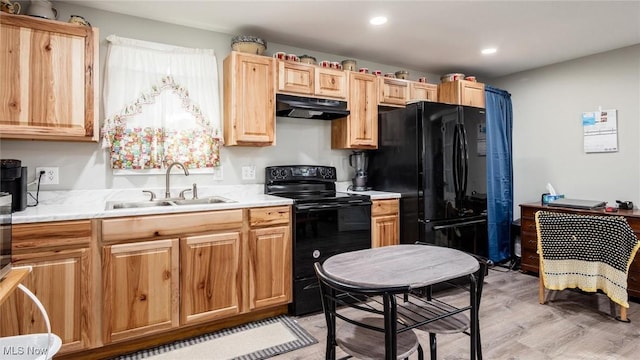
point(167, 190)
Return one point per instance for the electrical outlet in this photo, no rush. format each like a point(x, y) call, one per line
point(50, 177)
point(217, 173)
point(249, 172)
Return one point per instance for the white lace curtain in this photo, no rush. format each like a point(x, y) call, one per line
point(161, 105)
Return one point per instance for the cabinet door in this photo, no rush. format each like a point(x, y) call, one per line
point(385, 222)
point(330, 83)
point(423, 91)
point(210, 277)
point(393, 92)
point(295, 77)
point(59, 280)
point(359, 130)
point(270, 267)
point(48, 82)
point(385, 230)
point(473, 94)
point(462, 92)
point(249, 100)
point(140, 292)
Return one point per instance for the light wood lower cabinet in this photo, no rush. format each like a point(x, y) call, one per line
point(269, 267)
point(140, 288)
point(59, 254)
point(210, 276)
point(385, 223)
point(162, 272)
point(270, 252)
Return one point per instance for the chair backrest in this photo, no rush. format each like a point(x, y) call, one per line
point(364, 331)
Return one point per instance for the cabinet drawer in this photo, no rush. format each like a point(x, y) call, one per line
point(51, 234)
point(384, 207)
point(269, 216)
point(529, 241)
point(530, 260)
point(528, 226)
point(528, 213)
point(158, 226)
point(633, 283)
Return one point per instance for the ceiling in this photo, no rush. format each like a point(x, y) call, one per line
point(431, 36)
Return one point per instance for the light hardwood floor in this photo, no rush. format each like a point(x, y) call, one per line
point(572, 326)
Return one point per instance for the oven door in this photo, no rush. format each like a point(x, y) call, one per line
point(320, 232)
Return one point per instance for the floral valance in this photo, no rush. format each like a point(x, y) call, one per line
point(161, 105)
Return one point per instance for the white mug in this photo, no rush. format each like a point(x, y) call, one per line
point(43, 9)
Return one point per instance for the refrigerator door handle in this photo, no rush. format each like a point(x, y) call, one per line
point(465, 159)
point(454, 161)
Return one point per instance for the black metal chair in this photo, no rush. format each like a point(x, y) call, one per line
point(365, 332)
point(448, 324)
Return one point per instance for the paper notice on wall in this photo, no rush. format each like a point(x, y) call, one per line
point(600, 131)
point(482, 139)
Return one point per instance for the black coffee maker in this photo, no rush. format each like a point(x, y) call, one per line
point(13, 179)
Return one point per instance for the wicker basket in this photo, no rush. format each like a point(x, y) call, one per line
point(249, 47)
point(248, 44)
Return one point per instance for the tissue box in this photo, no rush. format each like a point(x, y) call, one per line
point(547, 198)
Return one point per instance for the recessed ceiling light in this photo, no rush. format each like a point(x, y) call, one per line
point(378, 20)
point(489, 51)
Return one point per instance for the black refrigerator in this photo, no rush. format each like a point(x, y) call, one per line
point(434, 155)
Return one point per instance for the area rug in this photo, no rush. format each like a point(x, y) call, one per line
point(257, 340)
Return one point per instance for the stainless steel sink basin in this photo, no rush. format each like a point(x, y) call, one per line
point(137, 204)
point(113, 205)
point(207, 200)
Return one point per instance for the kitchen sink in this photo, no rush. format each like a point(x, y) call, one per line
point(207, 200)
point(114, 205)
point(137, 204)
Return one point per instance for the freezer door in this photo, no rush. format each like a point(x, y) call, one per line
point(466, 233)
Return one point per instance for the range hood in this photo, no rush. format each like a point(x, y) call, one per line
point(310, 108)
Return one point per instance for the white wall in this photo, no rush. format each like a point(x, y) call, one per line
point(548, 133)
point(84, 166)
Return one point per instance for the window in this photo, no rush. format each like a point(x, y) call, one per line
point(161, 105)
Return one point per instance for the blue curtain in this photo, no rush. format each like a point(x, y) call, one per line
point(499, 173)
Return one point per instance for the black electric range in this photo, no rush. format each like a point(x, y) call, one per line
point(325, 222)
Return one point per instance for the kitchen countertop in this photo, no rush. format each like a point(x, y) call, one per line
point(90, 204)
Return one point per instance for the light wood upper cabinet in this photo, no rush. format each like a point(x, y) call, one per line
point(393, 92)
point(359, 130)
point(423, 91)
point(270, 257)
point(462, 92)
point(210, 276)
point(48, 80)
point(330, 83)
point(295, 78)
point(385, 222)
point(60, 257)
point(249, 100)
point(310, 80)
point(140, 285)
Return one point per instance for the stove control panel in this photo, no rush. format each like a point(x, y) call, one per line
point(300, 172)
